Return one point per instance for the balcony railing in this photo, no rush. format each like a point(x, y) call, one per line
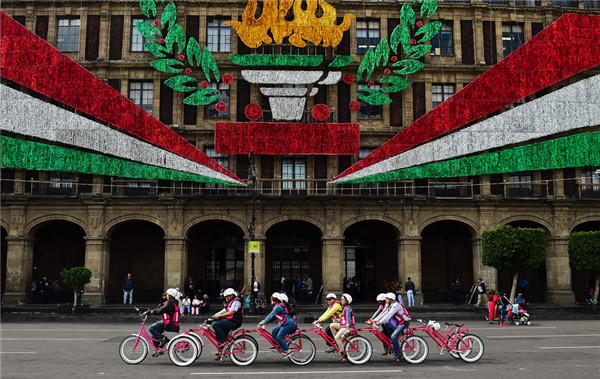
point(450, 189)
point(589, 190)
point(526, 190)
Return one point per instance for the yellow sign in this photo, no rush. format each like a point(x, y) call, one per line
point(254, 247)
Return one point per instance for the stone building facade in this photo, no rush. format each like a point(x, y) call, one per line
point(162, 232)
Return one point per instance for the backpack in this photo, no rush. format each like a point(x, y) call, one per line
point(290, 306)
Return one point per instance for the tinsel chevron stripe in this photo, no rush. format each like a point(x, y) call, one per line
point(571, 108)
point(573, 151)
point(30, 61)
point(25, 115)
point(569, 45)
point(28, 155)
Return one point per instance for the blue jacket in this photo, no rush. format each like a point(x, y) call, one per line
point(279, 312)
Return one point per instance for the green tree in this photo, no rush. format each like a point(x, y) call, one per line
point(514, 249)
point(76, 278)
point(584, 254)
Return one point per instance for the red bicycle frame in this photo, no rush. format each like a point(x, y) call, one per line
point(449, 339)
point(263, 332)
point(206, 331)
point(387, 342)
point(350, 347)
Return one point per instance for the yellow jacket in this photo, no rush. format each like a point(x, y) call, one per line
point(334, 311)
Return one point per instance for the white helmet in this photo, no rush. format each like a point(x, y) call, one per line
point(330, 296)
point(381, 297)
point(229, 292)
point(276, 295)
point(390, 295)
point(173, 292)
point(283, 297)
point(347, 297)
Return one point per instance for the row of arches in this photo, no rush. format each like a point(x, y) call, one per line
point(215, 256)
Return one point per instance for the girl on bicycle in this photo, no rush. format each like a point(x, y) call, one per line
point(345, 326)
point(287, 323)
point(381, 308)
point(395, 319)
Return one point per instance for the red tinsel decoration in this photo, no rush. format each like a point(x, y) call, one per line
point(253, 111)
point(28, 60)
point(188, 70)
point(354, 106)
point(348, 78)
point(568, 46)
point(321, 112)
point(221, 107)
point(227, 79)
point(394, 58)
point(204, 83)
point(287, 138)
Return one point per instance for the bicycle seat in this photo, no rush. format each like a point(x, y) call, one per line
point(459, 325)
point(448, 323)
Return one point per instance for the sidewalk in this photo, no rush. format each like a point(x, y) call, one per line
point(306, 313)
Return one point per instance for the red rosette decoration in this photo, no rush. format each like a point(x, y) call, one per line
point(188, 70)
point(386, 71)
point(371, 83)
point(419, 23)
point(181, 57)
point(253, 111)
point(354, 106)
point(227, 79)
point(394, 58)
point(221, 107)
point(348, 78)
point(413, 41)
point(161, 41)
point(157, 23)
point(204, 83)
point(321, 112)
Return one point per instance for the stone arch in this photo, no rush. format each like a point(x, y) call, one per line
point(474, 228)
point(587, 223)
point(370, 257)
point(388, 220)
point(268, 225)
point(114, 223)
point(527, 218)
point(446, 255)
point(34, 225)
point(197, 220)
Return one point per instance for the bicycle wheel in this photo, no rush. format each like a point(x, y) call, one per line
point(454, 351)
point(415, 349)
point(243, 351)
point(358, 350)
point(196, 338)
point(133, 349)
point(470, 348)
point(304, 350)
point(183, 351)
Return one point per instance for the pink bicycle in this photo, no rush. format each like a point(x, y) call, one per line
point(358, 349)
point(414, 348)
point(303, 348)
point(185, 348)
point(134, 348)
point(456, 340)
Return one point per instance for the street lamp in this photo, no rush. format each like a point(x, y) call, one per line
point(252, 227)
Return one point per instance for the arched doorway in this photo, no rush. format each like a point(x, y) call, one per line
point(370, 259)
point(3, 247)
point(216, 256)
point(579, 279)
point(137, 247)
point(536, 278)
point(446, 254)
point(58, 245)
point(293, 248)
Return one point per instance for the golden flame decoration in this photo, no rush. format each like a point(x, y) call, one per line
point(305, 26)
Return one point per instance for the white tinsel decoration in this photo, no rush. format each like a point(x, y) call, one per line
point(573, 107)
point(332, 78)
point(26, 115)
point(270, 91)
point(287, 108)
point(281, 76)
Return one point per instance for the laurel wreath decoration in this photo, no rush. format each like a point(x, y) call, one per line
point(164, 35)
point(411, 51)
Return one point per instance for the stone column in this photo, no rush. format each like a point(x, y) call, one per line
point(259, 264)
point(487, 273)
point(176, 260)
point(97, 259)
point(409, 263)
point(332, 264)
point(558, 271)
point(19, 263)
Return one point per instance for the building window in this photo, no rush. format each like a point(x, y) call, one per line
point(222, 159)
point(210, 110)
point(512, 37)
point(293, 173)
point(440, 92)
point(443, 42)
point(369, 111)
point(218, 35)
point(590, 175)
point(142, 95)
point(367, 35)
point(137, 39)
point(364, 151)
point(68, 34)
point(520, 189)
point(61, 179)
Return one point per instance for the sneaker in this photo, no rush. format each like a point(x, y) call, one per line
point(330, 350)
point(273, 349)
point(163, 342)
point(384, 353)
point(287, 355)
point(397, 358)
point(503, 324)
point(158, 353)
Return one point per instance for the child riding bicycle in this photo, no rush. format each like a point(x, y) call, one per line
point(333, 311)
point(345, 325)
point(395, 319)
point(287, 323)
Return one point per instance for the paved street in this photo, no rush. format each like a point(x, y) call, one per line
point(546, 349)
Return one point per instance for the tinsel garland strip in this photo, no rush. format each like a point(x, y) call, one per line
point(281, 76)
point(568, 46)
point(30, 61)
point(256, 60)
point(572, 151)
point(28, 155)
point(288, 138)
point(573, 107)
point(27, 116)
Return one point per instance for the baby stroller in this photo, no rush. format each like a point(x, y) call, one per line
point(517, 315)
